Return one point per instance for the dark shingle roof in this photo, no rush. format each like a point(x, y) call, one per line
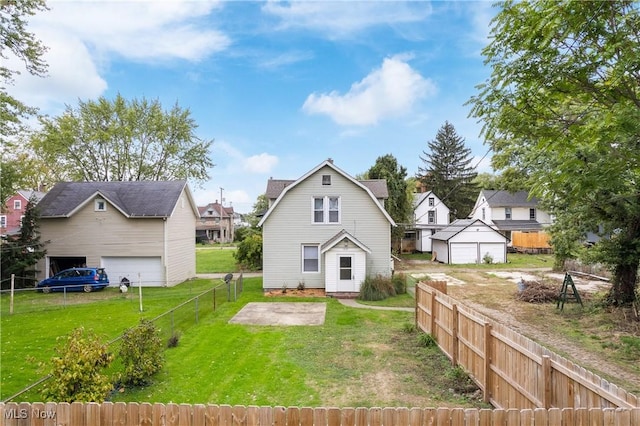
point(135, 199)
point(509, 199)
point(275, 187)
point(378, 187)
point(453, 229)
point(517, 225)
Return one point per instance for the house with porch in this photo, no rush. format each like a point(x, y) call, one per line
point(325, 230)
point(517, 216)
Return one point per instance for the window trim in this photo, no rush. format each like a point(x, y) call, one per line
point(508, 213)
point(100, 205)
point(326, 180)
point(326, 210)
point(532, 213)
point(432, 201)
point(17, 204)
point(303, 258)
point(3, 221)
point(431, 216)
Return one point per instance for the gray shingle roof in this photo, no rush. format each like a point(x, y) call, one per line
point(453, 229)
point(378, 187)
point(517, 225)
point(135, 199)
point(275, 187)
point(509, 199)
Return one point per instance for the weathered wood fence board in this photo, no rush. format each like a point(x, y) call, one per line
point(145, 414)
point(512, 370)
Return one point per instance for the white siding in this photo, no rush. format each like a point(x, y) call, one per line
point(441, 250)
point(290, 226)
point(181, 249)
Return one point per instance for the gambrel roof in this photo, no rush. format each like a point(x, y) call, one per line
point(134, 199)
point(375, 188)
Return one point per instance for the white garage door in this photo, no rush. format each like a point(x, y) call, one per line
point(149, 268)
point(495, 250)
point(464, 253)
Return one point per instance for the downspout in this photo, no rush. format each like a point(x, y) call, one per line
point(165, 249)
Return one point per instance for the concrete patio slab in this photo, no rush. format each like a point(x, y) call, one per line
point(281, 313)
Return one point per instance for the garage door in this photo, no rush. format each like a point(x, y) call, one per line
point(464, 253)
point(149, 268)
point(495, 250)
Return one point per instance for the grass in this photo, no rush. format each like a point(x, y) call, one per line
point(215, 259)
point(359, 357)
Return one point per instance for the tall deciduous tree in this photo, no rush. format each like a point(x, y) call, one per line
point(398, 205)
point(20, 253)
point(120, 140)
point(17, 43)
point(561, 111)
point(448, 172)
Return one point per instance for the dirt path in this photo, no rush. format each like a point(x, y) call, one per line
point(476, 290)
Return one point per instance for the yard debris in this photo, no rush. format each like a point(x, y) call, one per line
point(541, 292)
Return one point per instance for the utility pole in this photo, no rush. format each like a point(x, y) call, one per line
point(221, 214)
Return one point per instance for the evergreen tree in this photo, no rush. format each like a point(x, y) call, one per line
point(21, 252)
point(448, 172)
point(398, 205)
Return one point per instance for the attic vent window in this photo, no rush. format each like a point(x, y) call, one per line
point(101, 205)
point(326, 179)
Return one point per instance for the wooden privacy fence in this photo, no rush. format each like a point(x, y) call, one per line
point(512, 370)
point(132, 414)
point(530, 240)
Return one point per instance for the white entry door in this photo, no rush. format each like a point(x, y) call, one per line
point(346, 273)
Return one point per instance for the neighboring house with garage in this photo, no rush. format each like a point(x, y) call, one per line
point(516, 215)
point(430, 216)
point(14, 208)
point(141, 230)
point(469, 241)
point(325, 230)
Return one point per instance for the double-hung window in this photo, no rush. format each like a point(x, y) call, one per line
point(326, 209)
point(507, 213)
point(310, 258)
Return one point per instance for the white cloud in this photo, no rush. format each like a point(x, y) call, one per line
point(342, 18)
point(260, 164)
point(84, 37)
point(391, 90)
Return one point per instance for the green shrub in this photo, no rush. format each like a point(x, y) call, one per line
point(377, 287)
point(249, 253)
point(399, 283)
point(77, 369)
point(141, 353)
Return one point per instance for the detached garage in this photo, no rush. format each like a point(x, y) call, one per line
point(469, 241)
point(140, 231)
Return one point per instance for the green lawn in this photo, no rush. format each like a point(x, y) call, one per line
point(215, 259)
point(341, 363)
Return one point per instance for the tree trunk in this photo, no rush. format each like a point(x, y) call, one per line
point(623, 290)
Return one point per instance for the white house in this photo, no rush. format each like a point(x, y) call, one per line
point(516, 215)
point(430, 216)
point(469, 241)
point(325, 230)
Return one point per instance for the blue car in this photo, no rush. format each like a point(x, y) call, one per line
point(76, 279)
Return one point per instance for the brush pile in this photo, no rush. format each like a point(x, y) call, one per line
point(537, 292)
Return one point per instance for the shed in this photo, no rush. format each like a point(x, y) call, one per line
point(469, 241)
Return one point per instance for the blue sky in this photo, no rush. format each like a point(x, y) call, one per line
point(279, 86)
